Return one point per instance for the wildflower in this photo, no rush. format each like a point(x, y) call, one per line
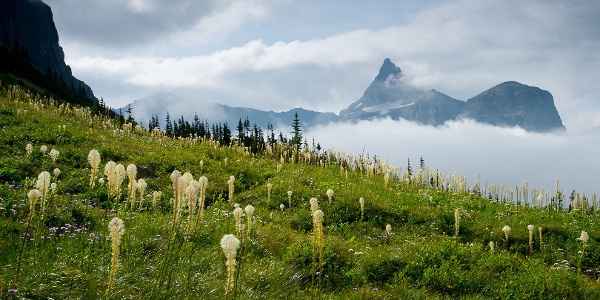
point(314, 205)
point(237, 213)
point(94, 160)
point(117, 228)
point(43, 149)
point(388, 229)
point(54, 154)
point(457, 221)
point(191, 195)
point(175, 175)
point(317, 239)
point(329, 194)
point(584, 237)
point(540, 231)
point(33, 196)
point(282, 207)
point(203, 184)
point(56, 172)
point(131, 174)
point(289, 193)
point(492, 246)
point(530, 228)
point(29, 149)
point(269, 186)
point(142, 185)
point(53, 188)
point(361, 201)
point(249, 212)
point(231, 182)
point(43, 184)
point(230, 245)
point(506, 230)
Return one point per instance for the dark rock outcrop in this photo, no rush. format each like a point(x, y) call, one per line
point(27, 28)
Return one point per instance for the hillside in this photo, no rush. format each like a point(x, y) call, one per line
point(421, 234)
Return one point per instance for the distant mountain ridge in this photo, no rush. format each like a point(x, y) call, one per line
point(507, 104)
point(162, 102)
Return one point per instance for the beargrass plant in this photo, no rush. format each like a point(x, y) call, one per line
point(94, 161)
point(43, 185)
point(116, 228)
point(584, 238)
point(530, 229)
point(230, 245)
point(456, 221)
point(361, 202)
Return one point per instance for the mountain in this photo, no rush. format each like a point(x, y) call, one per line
point(514, 104)
point(507, 104)
point(28, 34)
point(162, 102)
point(430, 108)
point(387, 91)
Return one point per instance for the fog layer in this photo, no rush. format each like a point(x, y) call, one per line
point(503, 155)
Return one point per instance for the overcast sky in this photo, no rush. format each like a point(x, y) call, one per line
point(321, 55)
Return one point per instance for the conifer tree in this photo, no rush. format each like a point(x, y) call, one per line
point(169, 126)
point(297, 133)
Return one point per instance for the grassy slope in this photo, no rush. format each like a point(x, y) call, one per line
point(421, 259)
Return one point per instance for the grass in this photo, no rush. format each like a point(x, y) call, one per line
point(67, 251)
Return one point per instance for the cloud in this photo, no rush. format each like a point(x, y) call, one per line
point(503, 155)
point(456, 47)
point(149, 26)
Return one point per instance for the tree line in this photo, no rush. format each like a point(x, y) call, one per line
point(246, 134)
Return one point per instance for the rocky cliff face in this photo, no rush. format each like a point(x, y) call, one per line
point(507, 104)
point(27, 26)
point(515, 104)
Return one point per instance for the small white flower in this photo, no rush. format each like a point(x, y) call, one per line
point(584, 237)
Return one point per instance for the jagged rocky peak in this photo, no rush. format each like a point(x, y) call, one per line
point(388, 69)
point(387, 91)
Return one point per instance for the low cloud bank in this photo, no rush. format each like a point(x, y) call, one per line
point(503, 155)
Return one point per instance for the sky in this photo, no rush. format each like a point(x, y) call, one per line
point(321, 55)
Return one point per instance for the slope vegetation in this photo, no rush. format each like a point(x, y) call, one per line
point(415, 234)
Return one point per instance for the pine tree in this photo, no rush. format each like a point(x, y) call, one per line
point(169, 126)
point(241, 134)
point(297, 133)
point(226, 134)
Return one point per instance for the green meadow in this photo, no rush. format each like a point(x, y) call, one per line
point(416, 234)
